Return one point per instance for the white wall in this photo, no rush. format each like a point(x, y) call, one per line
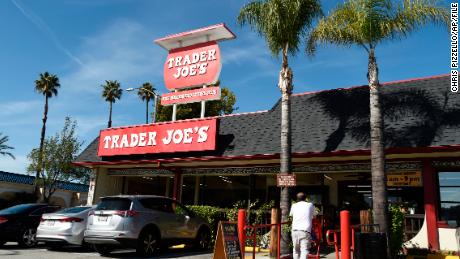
point(63, 198)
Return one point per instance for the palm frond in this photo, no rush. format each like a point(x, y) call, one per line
point(4, 147)
point(111, 90)
point(369, 22)
point(281, 22)
point(146, 91)
point(411, 15)
point(48, 84)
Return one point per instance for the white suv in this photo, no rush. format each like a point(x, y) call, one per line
point(143, 222)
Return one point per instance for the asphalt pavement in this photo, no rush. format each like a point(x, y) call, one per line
point(11, 250)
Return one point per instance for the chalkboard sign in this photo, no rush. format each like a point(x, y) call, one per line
point(227, 242)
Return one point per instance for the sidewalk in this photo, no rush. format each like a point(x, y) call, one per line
point(265, 255)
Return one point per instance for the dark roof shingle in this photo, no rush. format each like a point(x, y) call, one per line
point(417, 113)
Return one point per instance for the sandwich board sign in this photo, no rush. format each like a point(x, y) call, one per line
point(227, 244)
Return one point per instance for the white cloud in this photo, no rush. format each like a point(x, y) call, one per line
point(18, 165)
point(41, 25)
point(124, 52)
point(18, 107)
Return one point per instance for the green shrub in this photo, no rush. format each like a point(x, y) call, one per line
point(211, 214)
point(397, 230)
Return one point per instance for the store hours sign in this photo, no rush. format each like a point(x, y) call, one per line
point(184, 136)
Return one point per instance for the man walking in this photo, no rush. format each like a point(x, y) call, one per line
point(302, 213)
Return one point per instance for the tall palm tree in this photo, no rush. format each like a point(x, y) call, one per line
point(146, 93)
point(283, 23)
point(47, 85)
point(111, 92)
point(4, 147)
point(368, 23)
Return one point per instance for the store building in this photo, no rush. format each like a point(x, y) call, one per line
point(67, 194)
point(331, 157)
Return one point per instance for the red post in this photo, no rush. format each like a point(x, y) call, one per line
point(430, 191)
point(345, 234)
point(278, 250)
point(241, 229)
point(177, 186)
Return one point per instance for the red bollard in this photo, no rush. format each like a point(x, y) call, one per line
point(345, 234)
point(241, 229)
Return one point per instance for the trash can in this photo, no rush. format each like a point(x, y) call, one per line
point(370, 246)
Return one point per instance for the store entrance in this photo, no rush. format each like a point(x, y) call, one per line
point(148, 185)
point(356, 195)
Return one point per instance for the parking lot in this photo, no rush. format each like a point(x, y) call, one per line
point(11, 250)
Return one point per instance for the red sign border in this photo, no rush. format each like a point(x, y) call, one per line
point(216, 119)
point(191, 47)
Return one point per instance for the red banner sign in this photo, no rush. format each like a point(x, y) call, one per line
point(194, 65)
point(193, 135)
point(191, 96)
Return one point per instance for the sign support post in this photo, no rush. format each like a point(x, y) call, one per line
point(155, 104)
point(174, 110)
point(203, 106)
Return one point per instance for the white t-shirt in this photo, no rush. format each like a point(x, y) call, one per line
point(302, 214)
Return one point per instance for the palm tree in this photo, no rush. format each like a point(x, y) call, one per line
point(111, 92)
point(146, 93)
point(47, 85)
point(282, 23)
point(4, 147)
point(368, 23)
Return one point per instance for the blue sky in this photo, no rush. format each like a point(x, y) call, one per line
point(86, 42)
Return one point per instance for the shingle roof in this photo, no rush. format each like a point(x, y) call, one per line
point(417, 113)
point(27, 179)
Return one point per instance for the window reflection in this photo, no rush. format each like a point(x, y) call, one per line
point(449, 190)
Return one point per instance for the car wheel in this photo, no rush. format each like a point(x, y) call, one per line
point(28, 238)
point(203, 239)
point(147, 243)
point(103, 250)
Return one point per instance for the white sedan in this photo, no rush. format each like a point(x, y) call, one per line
point(66, 226)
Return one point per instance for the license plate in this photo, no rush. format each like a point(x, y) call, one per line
point(102, 218)
point(50, 223)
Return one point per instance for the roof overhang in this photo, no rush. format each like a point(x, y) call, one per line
point(216, 32)
point(270, 159)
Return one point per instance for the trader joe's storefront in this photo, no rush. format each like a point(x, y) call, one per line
point(221, 160)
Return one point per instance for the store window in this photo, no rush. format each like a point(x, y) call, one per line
point(449, 196)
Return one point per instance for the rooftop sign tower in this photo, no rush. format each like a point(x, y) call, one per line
point(193, 64)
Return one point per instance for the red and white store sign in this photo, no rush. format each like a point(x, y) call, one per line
point(191, 96)
point(191, 66)
point(193, 135)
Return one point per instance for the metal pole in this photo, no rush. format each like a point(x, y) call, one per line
point(241, 229)
point(345, 234)
point(174, 110)
point(154, 112)
point(203, 106)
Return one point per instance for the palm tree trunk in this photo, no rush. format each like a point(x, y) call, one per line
point(40, 151)
point(379, 180)
point(285, 85)
point(147, 111)
point(109, 125)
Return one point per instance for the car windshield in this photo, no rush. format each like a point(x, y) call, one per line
point(114, 204)
point(72, 210)
point(18, 209)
